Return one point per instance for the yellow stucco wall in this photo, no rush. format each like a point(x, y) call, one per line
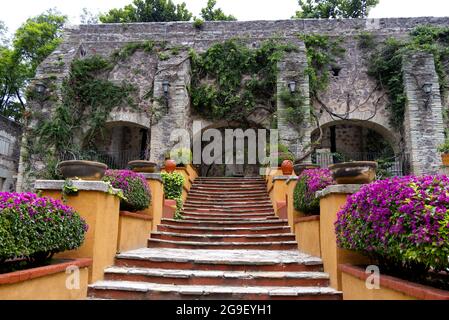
point(355, 289)
point(332, 255)
point(133, 233)
point(157, 200)
point(50, 287)
point(308, 237)
point(278, 193)
point(101, 212)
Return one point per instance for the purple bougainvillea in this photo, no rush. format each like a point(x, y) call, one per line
point(309, 182)
point(134, 186)
point(404, 220)
point(35, 228)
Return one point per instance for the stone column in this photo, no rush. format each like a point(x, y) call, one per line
point(176, 70)
point(292, 68)
point(423, 124)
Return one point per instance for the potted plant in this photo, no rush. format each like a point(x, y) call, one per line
point(444, 149)
point(182, 156)
point(356, 172)
point(142, 166)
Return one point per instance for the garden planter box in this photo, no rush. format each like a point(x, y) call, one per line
point(307, 231)
point(169, 209)
point(133, 231)
point(391, 288)
point(47, 283)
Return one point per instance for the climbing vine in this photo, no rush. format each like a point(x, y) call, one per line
point(322, 53)
point(231, 81)
point(386, 65)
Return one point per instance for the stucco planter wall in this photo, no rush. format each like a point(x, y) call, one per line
point(47, 283)
point(133, 231)
point(307, 231)
point(391, 288)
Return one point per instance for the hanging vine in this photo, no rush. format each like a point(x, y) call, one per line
point(231, 81)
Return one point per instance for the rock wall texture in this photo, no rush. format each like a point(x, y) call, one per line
point(349, 87)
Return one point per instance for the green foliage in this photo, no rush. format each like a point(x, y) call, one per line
point(334, 9)
point(173, 184)
point(230, 80)
point(148, 11)
point(34, 228)
point(209, 13)
point(198, 23)
point(386, 65)
point(87, 101)
point(444, 147)
point(366, 41)
point(322, 53)
point(182, 156)
point(130, 48)
point(293, 104)
point(31, 44)
point(303, 203)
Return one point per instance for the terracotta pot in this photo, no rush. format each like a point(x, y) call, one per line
point(81, 169)
point(142, 166)
point(287, 167)
point(170, 165)
point(301, 167)
point(357, 172)
point(445, 158)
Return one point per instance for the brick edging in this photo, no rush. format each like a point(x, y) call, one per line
point(135, 215)
point(412, 289)
point(29, 274)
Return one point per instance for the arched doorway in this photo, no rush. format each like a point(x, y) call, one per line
point(344, 141)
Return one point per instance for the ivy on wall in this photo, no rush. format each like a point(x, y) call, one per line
point(386, 65)
point(230, 81)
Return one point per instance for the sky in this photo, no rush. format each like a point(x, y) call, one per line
point(15, 12)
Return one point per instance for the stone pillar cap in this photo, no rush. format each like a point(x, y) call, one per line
point(339, 189)
point(81, 185)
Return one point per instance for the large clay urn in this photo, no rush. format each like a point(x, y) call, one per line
point(287, 167)
point(170, 165)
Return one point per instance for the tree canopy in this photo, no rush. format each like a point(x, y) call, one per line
point(209, 13)
point(334, 9)
point(31, 44)
point(148, 11)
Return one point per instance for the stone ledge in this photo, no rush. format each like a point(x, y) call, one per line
point(285, 178)
point(339, 189)
point(152, 176)
point(81, 185)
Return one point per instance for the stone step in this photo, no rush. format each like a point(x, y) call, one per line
point(230, 190)
point(230, 204)
point(229, 180)
point(225, 208)
point(231, 219)
point(248, 238)
point(221, 278)
point(273, 245)
point(228, 193)
point(221, 230)
point(206, 215)
point(144, 290)
point(229, 224)
point(219, 200)
point(225, 260)
point(225, 186)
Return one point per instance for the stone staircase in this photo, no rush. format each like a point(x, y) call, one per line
point(230, 245)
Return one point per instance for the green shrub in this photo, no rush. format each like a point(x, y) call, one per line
point(182, 156)
point(137, 195)
point(173, 184)
point(34, 228)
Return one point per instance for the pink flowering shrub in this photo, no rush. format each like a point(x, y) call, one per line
point(35, 228)
point(403, 222)
point(309, 182)
point(134, 187)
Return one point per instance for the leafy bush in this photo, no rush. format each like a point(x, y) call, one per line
point(309, 182)
point(403, 222)
point(182, 156)
point(34, 228)
point(137, 195)
point(173, 184)
point(444, 148)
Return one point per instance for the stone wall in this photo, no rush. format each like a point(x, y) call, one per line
point(10, 135)
point(350, 87)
